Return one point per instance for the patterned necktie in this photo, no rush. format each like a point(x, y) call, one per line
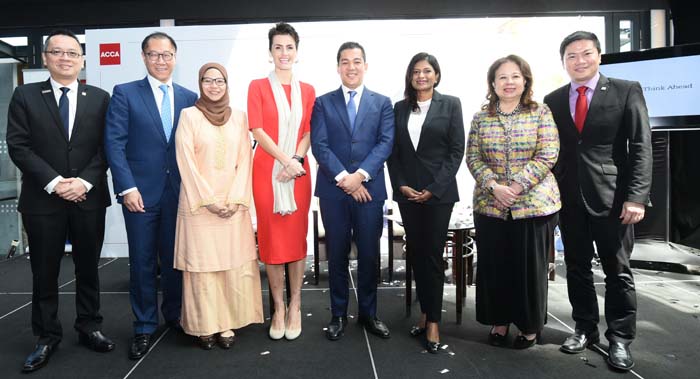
point(165, 116)
point(352, 109)
point(581, 108)
point(63, 110)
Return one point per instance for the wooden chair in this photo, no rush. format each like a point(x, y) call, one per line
point(460, 248)
point(396, 238)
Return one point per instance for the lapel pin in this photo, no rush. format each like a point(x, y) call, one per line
point(46, 91)
point(83, 93)
point(603, 88)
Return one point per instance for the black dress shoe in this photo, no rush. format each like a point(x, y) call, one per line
point(96, 341)
point(432, 347)
point(39, 357)
point(521, 342)
point(416, 330)
point(336, 328)
point(139, 346)
point(579, 341)
point(496, 339)
point(375, 326)
point(619, 356)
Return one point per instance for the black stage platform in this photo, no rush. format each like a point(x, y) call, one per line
point(667, 346)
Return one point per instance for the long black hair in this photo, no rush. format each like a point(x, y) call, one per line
point(409, 92)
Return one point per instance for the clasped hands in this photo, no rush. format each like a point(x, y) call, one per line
point(223, 211)
point(292, 170)
point(71, 189)
point(416, 196)
point(352, 185)
point(506, 196)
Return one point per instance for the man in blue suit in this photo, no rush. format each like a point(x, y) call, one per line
point(140, 148)
point(352, 134)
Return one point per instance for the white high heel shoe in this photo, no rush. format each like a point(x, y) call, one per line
point(277, 334)
point(292, 334)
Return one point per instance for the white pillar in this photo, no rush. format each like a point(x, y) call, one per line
point(658, 28)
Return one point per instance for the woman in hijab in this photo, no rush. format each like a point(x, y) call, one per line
point(214, 242)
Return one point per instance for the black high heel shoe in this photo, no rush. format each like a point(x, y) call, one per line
point(521, 342)
point(416, 331)
point(432, 347)
point(496, 339)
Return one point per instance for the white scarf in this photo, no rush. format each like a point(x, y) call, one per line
point(288, 130)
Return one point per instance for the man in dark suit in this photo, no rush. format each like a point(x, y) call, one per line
point(55, 131)
point(604, 176)
point(140, 147)
point(352, 132)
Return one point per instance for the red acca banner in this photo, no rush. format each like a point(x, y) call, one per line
point(110, 54)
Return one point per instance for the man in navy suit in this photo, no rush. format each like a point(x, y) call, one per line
point(352, 134)
point(140, 148)
point(54, 135)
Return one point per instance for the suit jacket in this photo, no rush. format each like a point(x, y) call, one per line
point(139, 155)
point(336, 147)
point(433, 165)
point(39, 148)
point(610, 162)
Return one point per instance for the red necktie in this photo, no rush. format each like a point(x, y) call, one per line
point(581, 108)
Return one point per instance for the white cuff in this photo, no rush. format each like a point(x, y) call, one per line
point(342, 174)
point(52, 184)
point(87, 185)
point(132, 189)
point(366, 175)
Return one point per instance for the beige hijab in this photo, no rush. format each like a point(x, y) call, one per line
point(217, 112)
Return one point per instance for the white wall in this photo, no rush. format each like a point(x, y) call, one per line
point(464, 48)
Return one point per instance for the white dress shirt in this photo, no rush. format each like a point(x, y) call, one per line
point(158, 94)
point(72, 107)
point(416, 120)
point(358, 95)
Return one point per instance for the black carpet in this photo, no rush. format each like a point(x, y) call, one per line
point(667, 343)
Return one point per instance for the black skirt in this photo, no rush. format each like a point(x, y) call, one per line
point(511, 281)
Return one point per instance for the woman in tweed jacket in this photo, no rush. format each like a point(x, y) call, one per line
point(513, 144)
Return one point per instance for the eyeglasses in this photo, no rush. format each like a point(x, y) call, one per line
point(59, 53)
point(155, 56)
point(218, 81)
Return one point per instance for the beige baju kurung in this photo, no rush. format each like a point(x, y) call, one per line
point(221, 279)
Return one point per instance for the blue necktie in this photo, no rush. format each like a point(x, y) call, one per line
point(352, 109)
point(63, 107)
point(165, 116)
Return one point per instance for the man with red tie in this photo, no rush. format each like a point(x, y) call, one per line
point(604, 176)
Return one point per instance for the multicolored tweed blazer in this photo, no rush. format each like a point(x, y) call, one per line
point(521, 148)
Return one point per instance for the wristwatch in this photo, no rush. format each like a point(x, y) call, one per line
point(491, 187)
point(298, 158)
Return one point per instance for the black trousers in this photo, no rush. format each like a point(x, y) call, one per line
point(614, 243)
point(426, 232)
point(47, 238)
point(511, 276)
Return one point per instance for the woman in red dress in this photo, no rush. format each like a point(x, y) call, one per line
point(279, 114)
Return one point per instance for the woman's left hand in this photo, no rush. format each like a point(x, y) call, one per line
point(422, 197)
point(283, 176)
point(516, 187)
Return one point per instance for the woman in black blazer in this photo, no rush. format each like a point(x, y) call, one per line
point(428, 150)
